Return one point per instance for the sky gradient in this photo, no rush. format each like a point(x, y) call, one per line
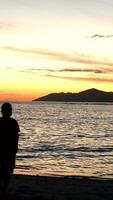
point(55, 46)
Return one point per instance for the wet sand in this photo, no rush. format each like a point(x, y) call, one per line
point(27, 187)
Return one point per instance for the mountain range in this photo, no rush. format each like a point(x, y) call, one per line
point(90, 95)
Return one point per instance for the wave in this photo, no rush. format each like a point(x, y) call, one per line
point(87, 149)
point(53, 148)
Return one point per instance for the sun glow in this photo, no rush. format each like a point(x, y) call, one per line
point(55, 49)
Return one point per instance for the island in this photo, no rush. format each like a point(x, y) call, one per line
point(90, 95)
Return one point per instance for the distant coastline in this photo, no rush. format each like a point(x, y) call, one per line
point(90, 95)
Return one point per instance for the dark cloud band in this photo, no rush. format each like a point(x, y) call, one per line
point(101, 36)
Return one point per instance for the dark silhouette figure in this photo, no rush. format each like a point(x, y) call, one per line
point(9, 129)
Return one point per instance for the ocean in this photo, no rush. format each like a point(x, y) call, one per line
point(64, 138)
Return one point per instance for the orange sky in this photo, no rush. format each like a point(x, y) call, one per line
point(55, 46)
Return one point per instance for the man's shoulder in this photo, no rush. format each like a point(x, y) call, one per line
point(13, 120)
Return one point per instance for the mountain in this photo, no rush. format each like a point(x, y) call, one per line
point(90, 95)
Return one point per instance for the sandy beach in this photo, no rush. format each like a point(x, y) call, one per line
point(27, 187)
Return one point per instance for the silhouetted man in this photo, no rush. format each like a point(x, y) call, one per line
point(9, 129)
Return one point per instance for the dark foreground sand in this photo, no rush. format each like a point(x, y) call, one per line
point(25, 187)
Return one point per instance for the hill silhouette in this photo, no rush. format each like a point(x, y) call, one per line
point(90, 95)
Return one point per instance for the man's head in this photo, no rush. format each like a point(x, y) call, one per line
point(6, 109)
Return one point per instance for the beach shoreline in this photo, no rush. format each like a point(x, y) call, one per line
point(26, 187)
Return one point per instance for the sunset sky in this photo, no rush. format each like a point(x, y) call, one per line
point(51, 46)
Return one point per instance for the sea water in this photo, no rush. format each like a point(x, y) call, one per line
point(64, 138)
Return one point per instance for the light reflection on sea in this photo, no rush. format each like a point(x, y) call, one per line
point(65, 138)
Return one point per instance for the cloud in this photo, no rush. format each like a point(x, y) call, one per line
point(90, 79)
point(7, 94)
point(70, 73)
point(66, 70)
point(77, 70)
point(60, 56)
point(95, 71)
point(35, 71)
point(101, 36)
point(4, 25)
